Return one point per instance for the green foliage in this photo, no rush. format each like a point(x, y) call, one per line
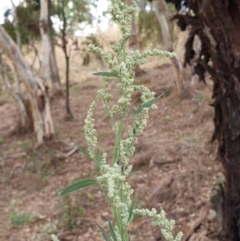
point(25, 146)
point(45, 172)
point(113, 174)
point(76, 12)
point(28, 13)
point(71, 212)
point(104, 234)
point(58, 133)
point(145, 105)
point(148, 26)
point(166, 119)
point(85, 153)
point(199, 99)
point(91, 39)
point(79, 185)
point(17, 218)
point(188, 138)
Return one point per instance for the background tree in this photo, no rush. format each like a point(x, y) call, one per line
point(160, 9)
point(49, 67)
point(35, 89)
point(72, 14)
point(27, 28)
point(216, 24)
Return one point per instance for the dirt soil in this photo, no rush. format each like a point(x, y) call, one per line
point(180, 170)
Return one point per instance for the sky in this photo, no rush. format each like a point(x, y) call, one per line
point(101, 6)
point(4, 5)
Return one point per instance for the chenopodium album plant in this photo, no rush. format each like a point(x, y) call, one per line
point(112, 177)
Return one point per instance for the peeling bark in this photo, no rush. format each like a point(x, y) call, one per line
point(36, 91)
point(23, 112)
point(217, 24)
point(49, 70)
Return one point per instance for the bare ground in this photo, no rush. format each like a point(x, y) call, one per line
point(175, 155)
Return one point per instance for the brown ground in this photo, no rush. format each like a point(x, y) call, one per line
point(179, 166)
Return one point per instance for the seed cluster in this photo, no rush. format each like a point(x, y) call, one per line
point(113, 178)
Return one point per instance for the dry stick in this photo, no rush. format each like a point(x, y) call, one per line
point(71, 152)
point(63, 155)
point(195, 224)
point(199, 236)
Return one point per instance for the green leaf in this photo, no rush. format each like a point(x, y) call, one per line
point(112, 231)
point(146, 105)
point(79, 185)
point(104, 234)
point(118, 219)
point(85, 153)
point(135, 173)
point(130, 218)
point(106, 74)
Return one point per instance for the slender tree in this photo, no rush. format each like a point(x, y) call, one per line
point(49, 70)
point(71, 14)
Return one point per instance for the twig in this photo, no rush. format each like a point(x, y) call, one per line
point(71, 152)
point(195, 224)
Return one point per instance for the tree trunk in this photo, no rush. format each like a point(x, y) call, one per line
point(34, 86)
point(49, 70)
point(217, 24)
point(133, 43)
point(159, 10)
point(67, 58)
point(54, 69)
point(25, 119)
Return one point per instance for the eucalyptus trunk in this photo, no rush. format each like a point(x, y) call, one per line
point(217, 25)
point(160, 8)
point(35, 88)
point(49, 70)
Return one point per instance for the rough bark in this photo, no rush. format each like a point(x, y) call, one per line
point(49, 70)
point(159, 10)
point(34, 87)
point(25, 119)
point(217, 24)
point(54, 69)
